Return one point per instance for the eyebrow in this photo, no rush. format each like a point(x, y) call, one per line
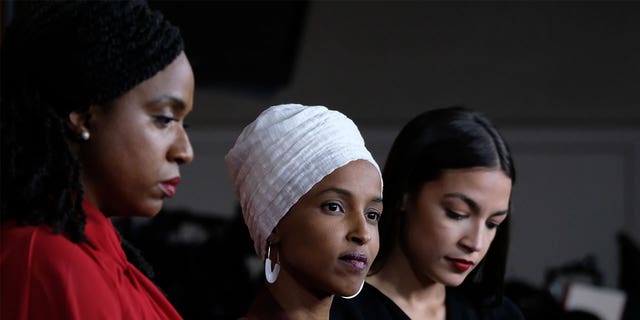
point(346, 193)
point(175, 102)
point(471, 203)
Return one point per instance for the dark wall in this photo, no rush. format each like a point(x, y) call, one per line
point(524, 63)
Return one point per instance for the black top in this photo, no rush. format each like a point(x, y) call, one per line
point(371, 304)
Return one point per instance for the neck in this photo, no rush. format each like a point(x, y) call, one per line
point(298, 301)
point(418, 296)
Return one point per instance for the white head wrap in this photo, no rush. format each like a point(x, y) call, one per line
point(281, 155)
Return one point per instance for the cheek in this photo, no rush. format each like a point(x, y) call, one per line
point(147, 148)
point(488, 241)
point(420, 238)
point(299, 237)
point(424, 227)
point(374, 244)
point(421, 247)
point(305, 252)
point(147, 139)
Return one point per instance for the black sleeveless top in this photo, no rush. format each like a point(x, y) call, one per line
point(371, 304)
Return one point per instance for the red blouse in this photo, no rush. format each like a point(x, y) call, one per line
point(46, 276)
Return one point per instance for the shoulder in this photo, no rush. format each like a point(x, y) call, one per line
point(370, 304)
point(33, 246)
point(39, 257)
point(461, 307)
point(507, 310)
point(51, 272)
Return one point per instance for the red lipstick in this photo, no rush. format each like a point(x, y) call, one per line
point(461, 264)
point(169, 186)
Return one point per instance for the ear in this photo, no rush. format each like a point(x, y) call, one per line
point(79, 120)
point(274, 237)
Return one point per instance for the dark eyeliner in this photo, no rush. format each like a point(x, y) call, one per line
point(453, 215)
point(164, 119)
point(491, 225)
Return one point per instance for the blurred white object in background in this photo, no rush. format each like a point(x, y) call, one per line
point(606, 303)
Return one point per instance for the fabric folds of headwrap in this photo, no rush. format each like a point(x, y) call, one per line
point(282, 154)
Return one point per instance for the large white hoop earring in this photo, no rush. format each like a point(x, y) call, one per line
point(357, 293)
point(271, 274)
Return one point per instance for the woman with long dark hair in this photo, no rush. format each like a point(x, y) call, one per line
point(444, 232)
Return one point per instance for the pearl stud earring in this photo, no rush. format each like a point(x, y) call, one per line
point(85, 135)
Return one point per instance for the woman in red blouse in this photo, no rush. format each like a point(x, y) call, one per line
point(94, 95)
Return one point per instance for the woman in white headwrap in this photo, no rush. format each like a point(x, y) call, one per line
point(311, 196)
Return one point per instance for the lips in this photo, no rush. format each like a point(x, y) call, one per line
point(169, 186)
point(355, 261)
point(461, 264)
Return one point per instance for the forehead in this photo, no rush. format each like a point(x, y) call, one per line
point(483, 185)
point(176, 80)
point(478, 176)
point(358, 175)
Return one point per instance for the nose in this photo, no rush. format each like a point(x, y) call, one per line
point(358, 229)
point(473, 240)
point(181, 151)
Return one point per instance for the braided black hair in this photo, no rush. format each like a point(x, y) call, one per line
point(39, 177)
point(56, 58)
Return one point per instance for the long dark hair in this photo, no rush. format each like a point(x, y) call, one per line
point(40, 179)
point(57, 58)
point(432, 142)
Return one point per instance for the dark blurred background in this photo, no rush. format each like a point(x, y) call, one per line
point(560, 79)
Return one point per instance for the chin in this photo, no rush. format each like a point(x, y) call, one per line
point(349, 288)
point(452, 280)
point(347, 293)
point(150, 209)
point(152, 213)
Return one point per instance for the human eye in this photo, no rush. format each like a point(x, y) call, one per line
point(374, 216)
point(332, 207)
point(454, 215)
point(492, 225)
point(163, 121)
